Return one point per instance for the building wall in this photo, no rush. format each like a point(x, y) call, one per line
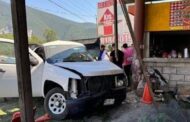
point(175, 71)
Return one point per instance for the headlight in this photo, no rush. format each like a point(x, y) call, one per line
point(118, 82)
point(73, 90)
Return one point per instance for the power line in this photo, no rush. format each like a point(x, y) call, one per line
point(89, 3)
point(61, 12)
point(74, 14)
point(74, 6)
point(47, 10)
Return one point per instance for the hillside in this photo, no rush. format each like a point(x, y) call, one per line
point(38, 21)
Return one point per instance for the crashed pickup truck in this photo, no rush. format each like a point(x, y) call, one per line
point(65, 75)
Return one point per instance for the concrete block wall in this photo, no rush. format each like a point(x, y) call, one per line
point(176, 72)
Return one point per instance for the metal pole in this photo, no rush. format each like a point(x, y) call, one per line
point(115, 29)
point(139, 23)
point(136, 44)
point(22, 59)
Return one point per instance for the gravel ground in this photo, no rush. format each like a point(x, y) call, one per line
point(131, 110)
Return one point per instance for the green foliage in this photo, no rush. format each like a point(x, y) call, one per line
point(35, 40)
point(7, 49)
point(6, 36)
point(32, 40)
point(49, 35)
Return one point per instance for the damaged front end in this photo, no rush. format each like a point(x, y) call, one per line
point(95, 90)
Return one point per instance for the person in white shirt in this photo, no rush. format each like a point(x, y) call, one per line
point(103, 55)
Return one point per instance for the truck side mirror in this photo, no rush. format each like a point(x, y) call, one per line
point(33, 61)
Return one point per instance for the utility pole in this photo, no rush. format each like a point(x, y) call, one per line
point(136, 44)
point(22, 59)
point(139, 23)
point(115, 28)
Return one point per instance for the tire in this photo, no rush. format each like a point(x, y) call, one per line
point(55, 104)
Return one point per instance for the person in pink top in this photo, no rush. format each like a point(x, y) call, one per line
point(128, 57)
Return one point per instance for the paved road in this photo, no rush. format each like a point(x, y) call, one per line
point(131, 110)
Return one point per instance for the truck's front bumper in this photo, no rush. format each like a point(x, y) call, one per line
point(84, 103)
point(87, 102)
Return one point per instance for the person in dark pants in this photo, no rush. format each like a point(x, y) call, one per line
point(128, 57)
point(113, 58)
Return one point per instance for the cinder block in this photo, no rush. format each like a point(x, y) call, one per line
point(166, 76)
point(159, 69)
point(183, 71)
point(169, 70)
point(160, 64)
point(187, 78)
point(149, 64)
point(172, 83)
point(177, 78)
point(179, 83)
point(179, 65)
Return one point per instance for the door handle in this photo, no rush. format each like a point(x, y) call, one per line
point(2, 71)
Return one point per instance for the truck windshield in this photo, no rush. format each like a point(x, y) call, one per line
point(75, 54)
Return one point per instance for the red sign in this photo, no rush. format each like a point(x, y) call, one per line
point(123, 38)
point(107, 17)
point(108, 30)
point(105, 4)
point(107, 20)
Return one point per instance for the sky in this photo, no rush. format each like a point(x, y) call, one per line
point(76, 10)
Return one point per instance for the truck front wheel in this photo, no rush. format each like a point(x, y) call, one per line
point(55, 104)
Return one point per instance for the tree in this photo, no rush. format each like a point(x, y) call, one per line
point(35, 40)
point(49, 35)
point(6, 36)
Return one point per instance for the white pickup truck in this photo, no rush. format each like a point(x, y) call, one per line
point(65, 75)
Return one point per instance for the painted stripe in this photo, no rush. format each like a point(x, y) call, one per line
point(2, 113)
point(13, 110)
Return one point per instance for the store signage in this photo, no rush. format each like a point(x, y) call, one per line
point(107, 17)
point(107, 20)
point(106, 24)
point(105, 4)
point(180, 15)
point(123, 38)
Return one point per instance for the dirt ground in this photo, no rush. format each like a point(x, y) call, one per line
point(131, 110)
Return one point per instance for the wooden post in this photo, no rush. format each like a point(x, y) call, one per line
point(22, 59)
point(136, 44)
point(115, 29)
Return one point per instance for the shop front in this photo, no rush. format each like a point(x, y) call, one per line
point(167, 40)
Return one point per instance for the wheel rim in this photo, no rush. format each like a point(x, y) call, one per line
point(57, 103)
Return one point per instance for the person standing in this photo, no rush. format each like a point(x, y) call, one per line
point(128, 57)
point(113, 58)
point(103, 53)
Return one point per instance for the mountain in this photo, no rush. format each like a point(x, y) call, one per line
point(38, 21)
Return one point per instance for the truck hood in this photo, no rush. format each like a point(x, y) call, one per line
point(97, 68)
